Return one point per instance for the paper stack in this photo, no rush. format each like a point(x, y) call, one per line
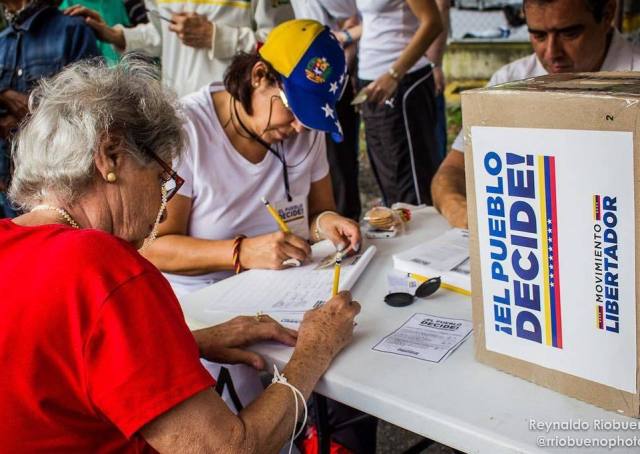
point(446, 256)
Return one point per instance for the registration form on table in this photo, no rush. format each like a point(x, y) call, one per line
point(426, 337)
point(291, 290)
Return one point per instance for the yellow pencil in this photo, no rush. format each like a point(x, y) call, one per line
point(336, 274)
point(283, 225)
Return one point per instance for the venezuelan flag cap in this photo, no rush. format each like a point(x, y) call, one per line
point(312, 67)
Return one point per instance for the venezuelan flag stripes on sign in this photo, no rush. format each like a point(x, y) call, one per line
point(550, 250)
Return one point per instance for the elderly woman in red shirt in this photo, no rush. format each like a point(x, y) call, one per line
point(94, 350)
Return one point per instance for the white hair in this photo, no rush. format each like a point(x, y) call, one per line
point(74, 110)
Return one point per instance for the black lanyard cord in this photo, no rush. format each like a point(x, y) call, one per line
point(279, 156)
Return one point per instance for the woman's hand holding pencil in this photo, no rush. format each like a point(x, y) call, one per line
point(271, 250)
point(291, 260)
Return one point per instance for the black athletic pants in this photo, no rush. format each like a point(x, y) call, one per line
point(401, 139)
point(343, 159)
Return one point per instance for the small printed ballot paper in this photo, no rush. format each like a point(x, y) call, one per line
point(426, 337)
point(550, 165)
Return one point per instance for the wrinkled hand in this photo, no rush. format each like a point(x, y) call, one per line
point(270, 250)
point(381, 89)
point(439, 80)
point(226, 343)
point(193, 29)
point(454, 209)
point(344, 233)
point(103, 32)
point(17, 103)
point(7, 124)
point(328, 329)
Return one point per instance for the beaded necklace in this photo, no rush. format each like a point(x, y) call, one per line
point(61, 211)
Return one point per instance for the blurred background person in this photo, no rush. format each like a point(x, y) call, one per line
point(566, 36)
point(400, 95)
point(195, 40)
point(112, 11)
point(37, 42)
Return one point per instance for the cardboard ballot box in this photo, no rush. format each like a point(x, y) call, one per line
point(552, 183)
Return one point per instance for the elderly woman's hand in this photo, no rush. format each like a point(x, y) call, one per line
point(343, 232)
point(225, 343)
point(328, 329)
point(271, 250)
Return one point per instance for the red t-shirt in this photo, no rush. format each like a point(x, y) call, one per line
point(93, 344)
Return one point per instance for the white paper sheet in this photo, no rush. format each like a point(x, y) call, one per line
point(290, 290)
point(443, 253)
point(426, 337)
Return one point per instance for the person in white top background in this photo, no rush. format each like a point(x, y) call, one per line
point(196, 40)
point(566, 36)
point(400, 95)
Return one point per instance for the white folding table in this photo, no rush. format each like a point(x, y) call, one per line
point(459, 402)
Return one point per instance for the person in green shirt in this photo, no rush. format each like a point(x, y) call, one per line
point(113, 12)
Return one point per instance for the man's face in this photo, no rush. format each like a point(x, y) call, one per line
point(565, 35)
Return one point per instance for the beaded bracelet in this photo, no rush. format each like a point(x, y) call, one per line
point(237, 241)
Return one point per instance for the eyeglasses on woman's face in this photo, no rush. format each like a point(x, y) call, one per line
point(171, 181)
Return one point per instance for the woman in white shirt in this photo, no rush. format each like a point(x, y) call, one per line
point(259, 135)
point(400, 112)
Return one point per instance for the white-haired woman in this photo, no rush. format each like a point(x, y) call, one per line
point(95, 352)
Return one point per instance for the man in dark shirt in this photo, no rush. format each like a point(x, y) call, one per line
point(38, 42)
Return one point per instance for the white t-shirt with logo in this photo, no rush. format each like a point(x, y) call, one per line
point(225, 188)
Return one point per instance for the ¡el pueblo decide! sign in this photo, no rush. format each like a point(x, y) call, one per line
point(556, 236)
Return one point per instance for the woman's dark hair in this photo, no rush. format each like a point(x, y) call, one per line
point(237, 77)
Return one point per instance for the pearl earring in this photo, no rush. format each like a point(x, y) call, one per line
point(111, 177)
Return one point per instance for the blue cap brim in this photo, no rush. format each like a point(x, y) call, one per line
point(313, 110)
